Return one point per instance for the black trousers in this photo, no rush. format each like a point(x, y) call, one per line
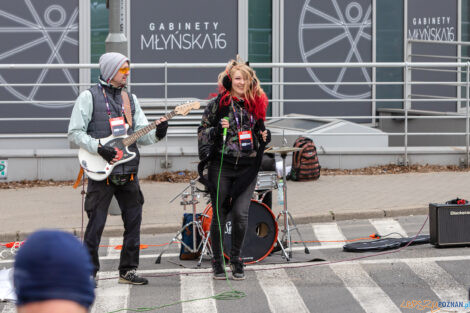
point(130, 199)
point(239, 208)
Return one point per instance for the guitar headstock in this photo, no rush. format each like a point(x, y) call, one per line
point(184, 109)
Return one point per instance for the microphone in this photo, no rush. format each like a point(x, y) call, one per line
point(225, 129)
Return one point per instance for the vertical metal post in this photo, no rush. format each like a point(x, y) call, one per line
point(116, 40)
point(406, 104)
point(84, 43)
point(374, 59)
point(194, 202)
point(166, 110)
point(467, 122)
point(407, 94)
point(459, 55)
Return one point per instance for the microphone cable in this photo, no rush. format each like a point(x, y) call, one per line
point(231, 294)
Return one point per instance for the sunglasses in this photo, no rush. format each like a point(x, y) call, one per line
point(124, 70)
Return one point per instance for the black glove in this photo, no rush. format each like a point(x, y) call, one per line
point(107, 153)
point(268, 137)
point(219, 130)
point(160, 133)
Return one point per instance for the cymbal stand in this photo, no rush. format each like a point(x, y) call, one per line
point(287, 229)
point(188, 199)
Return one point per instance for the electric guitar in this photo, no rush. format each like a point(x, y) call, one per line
point(98, 168)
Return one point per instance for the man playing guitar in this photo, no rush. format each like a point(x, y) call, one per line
point(107, 110)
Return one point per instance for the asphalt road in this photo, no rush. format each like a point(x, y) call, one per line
point(413, 279)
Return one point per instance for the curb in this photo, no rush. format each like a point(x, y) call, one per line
point(114, 231)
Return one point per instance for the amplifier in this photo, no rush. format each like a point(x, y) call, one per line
point(449, 224)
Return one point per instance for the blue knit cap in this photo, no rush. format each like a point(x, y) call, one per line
point(50, 265)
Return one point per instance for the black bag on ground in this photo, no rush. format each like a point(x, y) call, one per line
point(187, 238)
point(385, 244)
point(305, 164)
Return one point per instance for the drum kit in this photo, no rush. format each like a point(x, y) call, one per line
point(262, 230)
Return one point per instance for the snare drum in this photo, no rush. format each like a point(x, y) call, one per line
point(266, 181)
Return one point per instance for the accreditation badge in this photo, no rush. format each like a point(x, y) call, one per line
point(245, 140)
point(118, 126)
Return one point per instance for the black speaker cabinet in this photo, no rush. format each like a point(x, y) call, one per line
point(449, 224)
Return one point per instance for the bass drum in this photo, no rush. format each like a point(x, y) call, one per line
point(261, 232)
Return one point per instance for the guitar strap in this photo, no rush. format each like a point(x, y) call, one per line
point(79, 178)
point(127, 107)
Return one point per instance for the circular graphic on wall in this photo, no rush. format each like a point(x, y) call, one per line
point(41, 33)
point(332, 32)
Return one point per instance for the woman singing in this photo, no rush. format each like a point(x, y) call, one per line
point(240, 107)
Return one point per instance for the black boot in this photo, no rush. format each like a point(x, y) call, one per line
point(218, 270)
point(237, 267)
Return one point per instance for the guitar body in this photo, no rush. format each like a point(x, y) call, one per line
point(96, 167)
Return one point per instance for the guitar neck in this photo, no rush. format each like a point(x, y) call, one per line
point(133, 138)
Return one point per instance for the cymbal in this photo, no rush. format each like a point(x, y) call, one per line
point(282, 150)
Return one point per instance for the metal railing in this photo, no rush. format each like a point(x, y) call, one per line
point(164, 104)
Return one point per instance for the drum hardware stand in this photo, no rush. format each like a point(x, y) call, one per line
point(287, 229)
point(259, 196)
point(189, 199)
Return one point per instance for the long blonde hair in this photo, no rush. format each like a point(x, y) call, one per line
point(254, 95)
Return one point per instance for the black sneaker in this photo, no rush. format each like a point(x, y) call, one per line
point(236, 265)
point(130, 277)
point(218, 270)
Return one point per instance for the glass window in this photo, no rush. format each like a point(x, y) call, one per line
point(389, 48)
point(260, 40)
point(99, 32)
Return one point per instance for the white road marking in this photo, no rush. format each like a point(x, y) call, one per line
point(440, 281)
point(327, 233)
point(111, 296)
point(196, 287)
point(254, 267)
point(112, 251)
point(116, 256)
point(386, 226)
point(363, 288)
point(9, 308)
point(281, 293)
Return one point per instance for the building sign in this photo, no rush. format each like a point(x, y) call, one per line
point(3, 169)
point(43, 32)
point(181, 31)
point(328, 31)
point(433, 20)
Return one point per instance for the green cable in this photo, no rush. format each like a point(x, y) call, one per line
point(232, 294)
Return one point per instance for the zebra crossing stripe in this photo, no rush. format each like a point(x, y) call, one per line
point(113, 242)
point(363, 288)
point(327, 232)
point(386, 226)
point(439, 280)
point(110, 296)
point(281, 293)
point(9, 308)
point(196, 287)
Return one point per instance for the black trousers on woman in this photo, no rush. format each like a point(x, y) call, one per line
point(239, 208)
